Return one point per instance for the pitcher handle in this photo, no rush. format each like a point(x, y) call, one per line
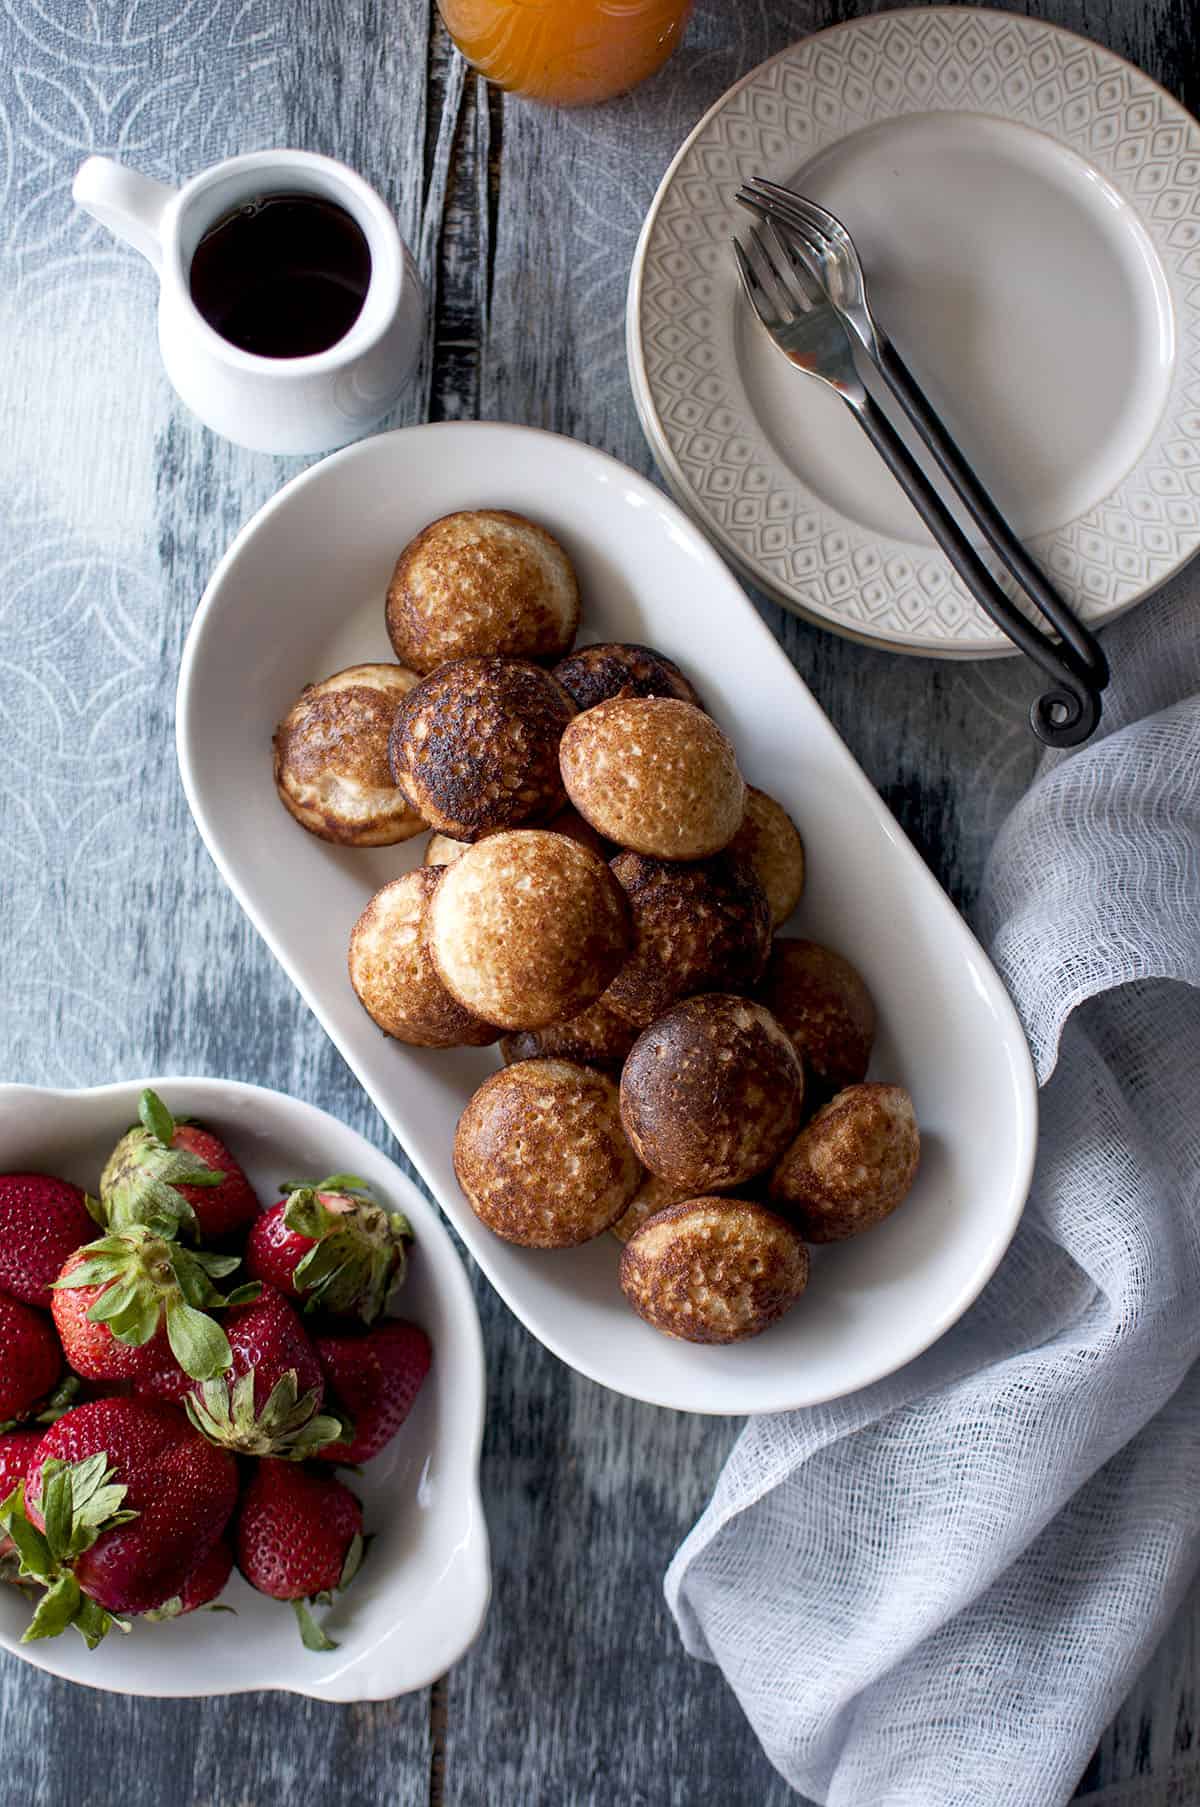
point(126, 202)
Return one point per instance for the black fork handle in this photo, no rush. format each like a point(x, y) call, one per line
point(1089, 655)
point(1063, 715)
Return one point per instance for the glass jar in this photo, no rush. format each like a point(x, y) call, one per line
point(567, 52)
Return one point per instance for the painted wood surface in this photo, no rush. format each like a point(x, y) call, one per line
point(123, 953)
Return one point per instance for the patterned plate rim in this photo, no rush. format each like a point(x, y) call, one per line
point(1083, 96)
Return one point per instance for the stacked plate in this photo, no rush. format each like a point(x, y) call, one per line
point(1027, 206)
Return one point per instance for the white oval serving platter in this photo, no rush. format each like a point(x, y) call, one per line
point(300, 594)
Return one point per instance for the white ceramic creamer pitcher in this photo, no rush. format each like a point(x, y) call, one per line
point(270, 404)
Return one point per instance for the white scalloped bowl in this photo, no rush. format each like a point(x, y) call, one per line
point(420, 1598)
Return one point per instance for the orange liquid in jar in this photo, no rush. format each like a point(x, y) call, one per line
point(567, 52)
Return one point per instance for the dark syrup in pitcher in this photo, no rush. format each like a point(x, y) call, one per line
point(283, 275)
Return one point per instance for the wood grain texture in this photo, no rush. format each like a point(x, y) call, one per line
point(136, 959)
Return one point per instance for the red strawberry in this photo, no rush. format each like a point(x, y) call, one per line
point(175, 1175)
point(30, 1359)
point(129, 1303)
point(269, 1401)
point(376, 1377)
point(122, 1501)
point(299, 1536)
point(332, 1246)
point(16, 1455)
point(42, 1221)
point(201, 1586)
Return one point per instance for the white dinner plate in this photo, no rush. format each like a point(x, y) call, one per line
point(1027, 208)
point(420, 1597)
point(300, 594)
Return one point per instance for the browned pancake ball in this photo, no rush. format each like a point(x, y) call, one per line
point(597, 1037)
point(331, 758)
point(593, 674)
point(696, 927)
point(825, 1007)
point(442, 851)
point(541, 1155)
point(392, 969)
point(474, 746)
point(528, 928)
point(655, 775)
point(481, 581)
point(852, 1165)
point(768, 841)
point(711, 1093)
point(651, 1197)
point(714, 1270)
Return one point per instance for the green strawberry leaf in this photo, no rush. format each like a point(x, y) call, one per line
point(215, 1266)
point(95, 1210)
point(57, 1507)
point(57, 1608)
point(32, 1548)
point(92, 1621)
point(353, 1562)
point(197, 1341)
point(92, 1272)
point(244, 1294)
point(311, 1635)
point(157, 1120)
point(305, 1215)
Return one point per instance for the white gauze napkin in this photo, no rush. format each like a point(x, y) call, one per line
point(937, 1592)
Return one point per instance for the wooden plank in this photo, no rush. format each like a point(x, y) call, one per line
point(525, 222)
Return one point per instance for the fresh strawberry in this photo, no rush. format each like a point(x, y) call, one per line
point(126, 1305)
point(375, 1377)
point(42, 1221)
point(333, 1246)
point(201, 1585)
point(269, 1401)
point(16, 1455)
point(122, 1501)
point(30, 1360)
point(175, 1175)
point(299, 1537)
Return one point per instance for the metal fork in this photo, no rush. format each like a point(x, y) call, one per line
point(828, 251)
point(807, 329)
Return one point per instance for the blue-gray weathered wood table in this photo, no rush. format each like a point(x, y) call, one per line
point(122, 951)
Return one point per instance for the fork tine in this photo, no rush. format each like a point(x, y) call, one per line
point(817, 217)
point(750, 283)
point(799, 227)
point(793, 277)
point(802, 244)
point(766, 277)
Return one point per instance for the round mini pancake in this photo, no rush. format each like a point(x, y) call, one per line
point(331, 758)
point(714, 1270)
point(474, 746)
point(711, 1093)
point(851, 1165)
point(481, 581)
point(440, 850)
point(528, 928)
point(651, 1197)
point(594, 674)
point(541, 1155)
point(825, 1007)
point(655, 775)
point(697, 926)
point(392, 969)
point(597, 1037)
point(768, 841)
